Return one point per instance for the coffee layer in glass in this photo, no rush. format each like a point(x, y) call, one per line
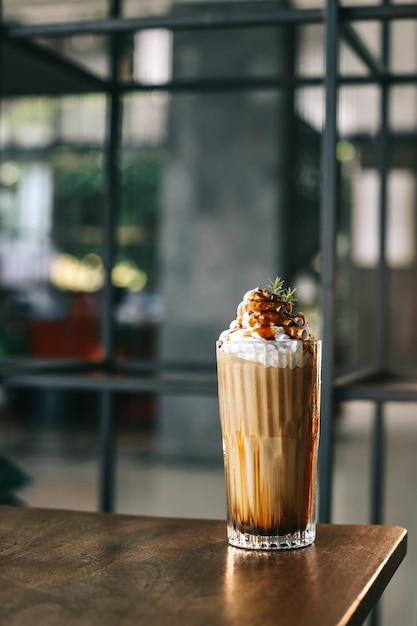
point(269, 410)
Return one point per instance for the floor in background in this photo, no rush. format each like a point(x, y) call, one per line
point(64, 474)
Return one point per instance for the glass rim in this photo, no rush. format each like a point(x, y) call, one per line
point(265, 342)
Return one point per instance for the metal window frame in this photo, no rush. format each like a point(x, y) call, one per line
point(337, 21)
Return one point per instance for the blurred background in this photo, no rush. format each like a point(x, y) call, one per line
point(147, 181)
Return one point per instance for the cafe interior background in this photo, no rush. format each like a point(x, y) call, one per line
point(217, 186)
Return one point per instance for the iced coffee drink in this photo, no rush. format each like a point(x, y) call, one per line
point(269, 376)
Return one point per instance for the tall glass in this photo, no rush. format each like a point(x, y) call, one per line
point(269, 399)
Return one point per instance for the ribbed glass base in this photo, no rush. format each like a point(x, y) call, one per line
point(299, 539)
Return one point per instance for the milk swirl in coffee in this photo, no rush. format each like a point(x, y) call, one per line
point(268, 374)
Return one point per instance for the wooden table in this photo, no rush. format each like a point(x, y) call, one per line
point(65, 568)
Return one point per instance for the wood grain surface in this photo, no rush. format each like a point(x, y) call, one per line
point(96, 569)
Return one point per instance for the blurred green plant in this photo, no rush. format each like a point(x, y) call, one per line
point(79, 196)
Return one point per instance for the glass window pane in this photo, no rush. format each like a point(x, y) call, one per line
point(403, 108)
point(365, 219)
point(401, 227)
point(51, 243)
point(403, 47)
point(309, 105)
point(358, 110)
point(310, 57)
point(158, 55)
point(358, 3)
point(44, 11)
point(83, 52)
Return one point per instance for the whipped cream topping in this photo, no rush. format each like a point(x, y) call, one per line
point(285, 352)
point(267, 331)
point(265, 315)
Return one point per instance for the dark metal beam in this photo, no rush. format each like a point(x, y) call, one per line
point(107, 452)
point(381, 12)
point(185, 384)
point(378, 466)
point(30, 69)
point(220, 15)
point(227, 15)
point(328, 244)
point(112, 157)
point(352, 38)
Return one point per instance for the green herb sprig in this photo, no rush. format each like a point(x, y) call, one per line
point(277, 286)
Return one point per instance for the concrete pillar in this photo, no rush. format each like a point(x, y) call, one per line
point(222, 214)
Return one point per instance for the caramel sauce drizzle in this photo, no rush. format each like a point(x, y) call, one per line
point(266, 311)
